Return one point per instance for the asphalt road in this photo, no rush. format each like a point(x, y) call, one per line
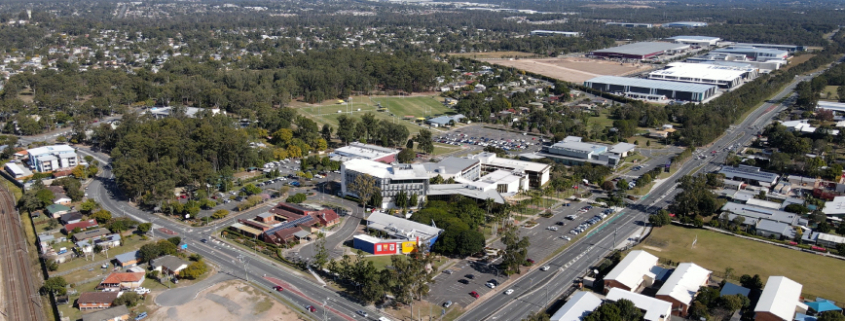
point(536, 289)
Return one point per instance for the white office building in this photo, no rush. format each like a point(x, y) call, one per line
point(708, 74)
point(537, 173)
point(572, 151)
point(390, 178)
point(50, 158)
point(356, 150)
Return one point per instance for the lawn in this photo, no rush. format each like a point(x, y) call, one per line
point(829, 93)
point(440, 149)
point(16, 191)
point(716, 252)
point(398, 108)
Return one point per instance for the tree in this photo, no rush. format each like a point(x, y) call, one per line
point(622, 184)
point(753, 283)
point(251, 189)
point(410, 277)
point(194, 270)
point(662, 218)
point(607, 186)
point(401, 199)
point(413, 200)
point(79, 172)
point(365, 187)
point(143, 228)
point(321, 256)
point(840, 248)
point(45, 196)
point(102, 216)
point(470, 242)
point(56, 284)
point(322, 144)
point(698, 310)
point(282, 137)
point(326, 132)
point(175, 240)
point(424, 142)
point(516, 250)
point(732, 303)
point(88, 205)
point(831, 316)
point(52, 265)
point(220, 214)
point(128, 298)
point(409, 144)
point(407, 156)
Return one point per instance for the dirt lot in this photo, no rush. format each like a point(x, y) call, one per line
point(232, 300)
point(575, 70)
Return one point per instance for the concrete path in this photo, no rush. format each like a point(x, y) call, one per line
point(180, 296)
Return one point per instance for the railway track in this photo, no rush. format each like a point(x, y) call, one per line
point(22, 301)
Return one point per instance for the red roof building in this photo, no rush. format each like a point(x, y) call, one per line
point(81, 225)
point(122, 280)
point(290, 211)
point(96, 300)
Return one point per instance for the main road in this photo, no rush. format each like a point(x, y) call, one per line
point(537, 289)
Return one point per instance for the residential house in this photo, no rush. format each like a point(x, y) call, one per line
point(90, 234)
point(61, 199)
point(118, 313)
point(56, 210)
point(169, 265)
point(653, 309)
point(70, 218)
point(122, 280)
point(96, 300)
point(82, 225)
point(105, 242)
point(127, 259)
point(632, 272)
point(682, 286)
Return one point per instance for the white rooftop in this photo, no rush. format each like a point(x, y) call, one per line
point(54, 149)
point(831, 238)
point(835, 207)
point(631, 270)
point(467, 190)
point(578, 307)
point(487, 158)
point(400, 226)
point(779, 297)
point(365, 151)
point(683, 284)
point(654, 309)
point(382, 170)
point(702, 71)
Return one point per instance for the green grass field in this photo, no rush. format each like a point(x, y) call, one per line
point(397, 109)
point(829, 93)
point(821, 276)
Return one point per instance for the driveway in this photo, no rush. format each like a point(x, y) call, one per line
point(180, 296)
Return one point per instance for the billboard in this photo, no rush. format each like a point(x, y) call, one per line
point(409, 246)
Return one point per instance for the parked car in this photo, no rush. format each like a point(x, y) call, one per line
point(447, 304)
point(474, 294)
point(464, 281)
point(470, 276)
point(141, 316)
point(490, 285)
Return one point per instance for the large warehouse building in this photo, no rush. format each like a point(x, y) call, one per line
point(759, 54)
point(722, 76)
point(700, 41)
point(789, 48)
point(673, 90)
point(684, 24)
point(641, 50)
point(630, 24)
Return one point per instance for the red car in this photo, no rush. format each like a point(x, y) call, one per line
point(311, 308)
point(278, 288)
point(474, 294)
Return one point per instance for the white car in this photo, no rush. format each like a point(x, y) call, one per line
point(490, 285)
point(508, 292)
point(545, 268)
point(142, 291)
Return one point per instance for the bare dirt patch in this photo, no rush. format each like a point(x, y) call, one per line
point(231, 300)
point(575, 70)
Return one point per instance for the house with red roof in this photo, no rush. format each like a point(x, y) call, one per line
point(122, 280)
point(82, 225)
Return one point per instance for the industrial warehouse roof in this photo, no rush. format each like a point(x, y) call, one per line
point(751, 49)
point(685, 24)
point(648, 83)
point(694, 38)
point(579, 306)
point(400, 226)
point(632, 268)
point(748, 172)
point(702, 71)
point(685, 282)
point(643, 48)
point(779, 297)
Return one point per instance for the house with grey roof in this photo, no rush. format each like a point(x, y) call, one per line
point(749, 174)
point(774, 229)
point(169, 265)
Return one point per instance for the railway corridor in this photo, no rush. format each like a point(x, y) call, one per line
point(20, 287)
